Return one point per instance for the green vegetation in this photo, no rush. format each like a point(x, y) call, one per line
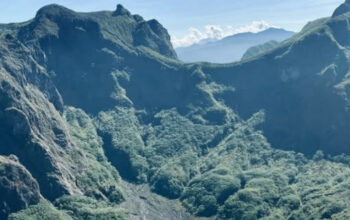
point(207, 192)
point(71, 207)
point(81, 207)
point(97, 177)
point(163, 154)
point(44, 210)
point(240, 176)
point(123, 142)
point(90, 100)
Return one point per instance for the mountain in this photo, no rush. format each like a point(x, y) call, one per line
point(231, 48)
point(259, 49)
point(100, 120)
point(342, 9)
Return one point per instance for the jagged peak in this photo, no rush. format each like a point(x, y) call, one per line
point(121, 11)
point(154, 22)
point(155, 26)
point(53, 10)
point(342, 9)
point(138, 18)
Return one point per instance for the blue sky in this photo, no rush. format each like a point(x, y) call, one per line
point(178, 16)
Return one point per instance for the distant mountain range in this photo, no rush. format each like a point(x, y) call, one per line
point(231, 48)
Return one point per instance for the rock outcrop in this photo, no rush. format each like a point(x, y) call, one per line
point(18, 188)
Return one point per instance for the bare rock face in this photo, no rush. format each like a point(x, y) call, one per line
point(18, 189)
point(32, 126)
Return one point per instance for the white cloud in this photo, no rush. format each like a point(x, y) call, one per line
point(217, 32)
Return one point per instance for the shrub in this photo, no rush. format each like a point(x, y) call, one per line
point(207, 192)
point(169, 182)
point(81, 207)
point(44, 210)
point(291, 202)
point(246, 204)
